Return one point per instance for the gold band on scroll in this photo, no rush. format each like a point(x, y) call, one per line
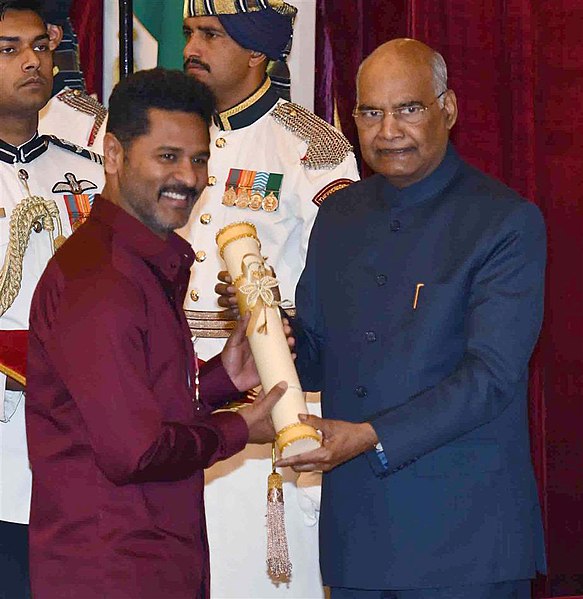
point(233, 232)
point(295, 432)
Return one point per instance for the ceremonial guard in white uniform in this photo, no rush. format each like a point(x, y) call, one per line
point(272, 163)
point(71, 113)
point(46, 189)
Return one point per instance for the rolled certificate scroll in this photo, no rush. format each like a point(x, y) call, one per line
point(240, 248)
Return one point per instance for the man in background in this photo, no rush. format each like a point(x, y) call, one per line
point(272, 163)
point(46, 187)
point(71, 113)
point(421, 302)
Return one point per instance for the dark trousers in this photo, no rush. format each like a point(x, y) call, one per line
point(14, 580)
point(513, 589)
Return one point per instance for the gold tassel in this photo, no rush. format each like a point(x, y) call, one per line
point(279, 566)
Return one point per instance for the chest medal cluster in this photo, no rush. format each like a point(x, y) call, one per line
point(256, 190)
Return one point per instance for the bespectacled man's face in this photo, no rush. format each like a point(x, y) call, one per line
point(404, 153)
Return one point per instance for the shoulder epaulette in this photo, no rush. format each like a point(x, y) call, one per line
point(69, 145)
point(327, 147)
point(83, 102)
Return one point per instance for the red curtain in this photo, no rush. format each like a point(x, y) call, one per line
point(517, 69)
point(87, 19)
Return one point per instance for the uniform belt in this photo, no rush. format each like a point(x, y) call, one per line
point(215, 325)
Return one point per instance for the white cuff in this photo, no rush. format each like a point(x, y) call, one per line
point(309, 486)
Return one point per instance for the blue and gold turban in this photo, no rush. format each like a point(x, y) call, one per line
point(262, 25)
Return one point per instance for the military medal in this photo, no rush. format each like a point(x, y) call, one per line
point(245, 185)
point(230, 197)
point(255, 201)
point(243, 198)
point(270, 202)
point(231, 186)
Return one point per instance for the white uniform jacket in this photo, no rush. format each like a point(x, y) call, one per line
point(76, 116)
point(272, 164)
point(53, 170)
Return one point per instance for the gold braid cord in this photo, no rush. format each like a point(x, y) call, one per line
point(29, 211)
point(327, 147)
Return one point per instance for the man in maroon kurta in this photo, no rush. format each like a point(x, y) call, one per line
point(118, 433)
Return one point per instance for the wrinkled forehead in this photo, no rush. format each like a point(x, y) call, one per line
point(391, 82)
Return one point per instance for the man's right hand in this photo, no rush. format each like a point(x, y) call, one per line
point(227, 293)
point(258, 415)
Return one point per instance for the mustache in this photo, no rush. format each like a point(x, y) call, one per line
point(31, 78)
point(191, 193)
point(192, 61)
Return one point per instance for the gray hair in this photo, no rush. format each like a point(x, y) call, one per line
point(439, 69)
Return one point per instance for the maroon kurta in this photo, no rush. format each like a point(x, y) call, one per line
point(116, 443)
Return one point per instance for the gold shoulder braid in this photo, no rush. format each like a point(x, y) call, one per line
point(83, 102)
point(31, 213)
point(327, 147)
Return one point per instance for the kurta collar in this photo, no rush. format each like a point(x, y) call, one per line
point(249, 110)
point(171, 256)
point(27, 152)
point(428, 187)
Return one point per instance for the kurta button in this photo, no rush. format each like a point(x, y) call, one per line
point(212, 180)
point(370, 336)
point(221, 142)
point(361, 391)
point(194, 296)
point(205, 219)
point(395, 226)
point(381, 280)
point(200, 256)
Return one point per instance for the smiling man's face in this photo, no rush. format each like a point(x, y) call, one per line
point(162, 173)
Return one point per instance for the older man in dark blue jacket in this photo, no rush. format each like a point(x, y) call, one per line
point(421, 302)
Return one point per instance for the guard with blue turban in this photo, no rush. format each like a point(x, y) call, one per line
point(272, 164)
point(262, 25)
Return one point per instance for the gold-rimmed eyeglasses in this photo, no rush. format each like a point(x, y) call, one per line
point(412, 114)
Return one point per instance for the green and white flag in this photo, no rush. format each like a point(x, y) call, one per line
point(158, 39)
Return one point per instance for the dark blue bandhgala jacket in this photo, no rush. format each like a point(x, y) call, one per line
point(420, 309)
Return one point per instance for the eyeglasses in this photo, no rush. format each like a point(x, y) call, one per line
point(411, 115)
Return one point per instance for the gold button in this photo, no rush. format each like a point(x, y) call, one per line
point(212, 180)
point(194, 296)
point(200, 256)
point(205, 218)
point(221, 142)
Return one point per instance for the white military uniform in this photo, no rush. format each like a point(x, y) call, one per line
point(272, 164)
point(54, 170)
point(74, 115)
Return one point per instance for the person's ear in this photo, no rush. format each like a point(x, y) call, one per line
point(256, 58)
point(55, 35)
point(113, 154)
point(450, 107)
